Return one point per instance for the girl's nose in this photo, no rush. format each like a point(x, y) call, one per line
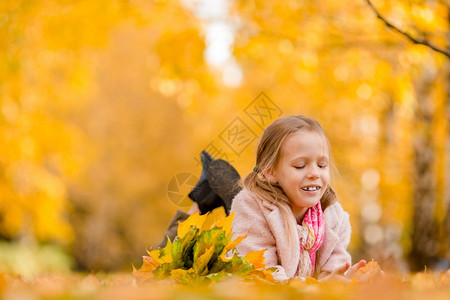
point(313, 172)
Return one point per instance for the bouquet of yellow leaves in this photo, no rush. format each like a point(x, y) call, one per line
point(202, 252)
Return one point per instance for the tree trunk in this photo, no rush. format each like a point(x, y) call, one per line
point(424, 248)
point(447, 168)
point(447, 152)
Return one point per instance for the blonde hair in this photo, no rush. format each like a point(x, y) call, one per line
point(267, 157)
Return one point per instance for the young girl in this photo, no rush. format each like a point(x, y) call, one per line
point(288, 207)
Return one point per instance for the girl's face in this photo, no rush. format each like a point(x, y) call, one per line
point(302, 170)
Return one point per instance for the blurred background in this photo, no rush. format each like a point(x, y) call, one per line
point(105, 106)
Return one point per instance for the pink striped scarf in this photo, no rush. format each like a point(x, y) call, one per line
point(311, 232)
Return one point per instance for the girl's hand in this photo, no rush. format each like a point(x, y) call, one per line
point(350, 273)
point(343, 273)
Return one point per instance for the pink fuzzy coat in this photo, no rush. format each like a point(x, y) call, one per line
point(264, 226)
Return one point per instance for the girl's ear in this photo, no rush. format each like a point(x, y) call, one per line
point(270, 176)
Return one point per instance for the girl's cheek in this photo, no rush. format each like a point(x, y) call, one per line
point(326, 174)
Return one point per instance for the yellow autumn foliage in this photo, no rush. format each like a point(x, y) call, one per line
point(103, 103)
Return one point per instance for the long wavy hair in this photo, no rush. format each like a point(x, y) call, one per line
point(267, 157)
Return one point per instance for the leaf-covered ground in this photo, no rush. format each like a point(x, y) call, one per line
point(125, 286)
point(202, 262)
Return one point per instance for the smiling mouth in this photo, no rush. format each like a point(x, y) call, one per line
point(311, 188)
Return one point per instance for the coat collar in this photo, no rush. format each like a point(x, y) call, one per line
point(288, 253)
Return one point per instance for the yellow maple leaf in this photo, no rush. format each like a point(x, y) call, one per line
point(200, 264)
point(231, 245)
point(194, 220)
point(225, 223)
point(149, 264)
point(164, 255)
point(256, 258)
point(213, 218)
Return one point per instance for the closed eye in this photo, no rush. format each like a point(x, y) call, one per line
point(299, 167)
point(322, 166)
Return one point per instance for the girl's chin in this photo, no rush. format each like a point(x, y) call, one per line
point(300, 211)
